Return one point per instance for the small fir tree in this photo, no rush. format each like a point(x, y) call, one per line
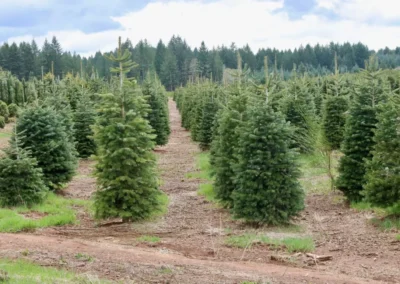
point(4, 111)
point(21, 180)
point(84, 119)
point(210, 110)
point(267, 186)
point(382, 186)
point(45, 136)
point(2, 122)
point(13, 110)
point(126, 168)
point(359, 132)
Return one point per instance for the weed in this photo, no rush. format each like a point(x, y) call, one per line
point(5, 135)
point(203, 166)
point(25, 252)
point(290, 244)
point(388, 223)
point(56, 211)
point(84, 257)
point(166, 270)
point(149, 239)
point(207, 190)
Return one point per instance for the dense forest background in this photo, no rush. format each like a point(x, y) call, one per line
point(176, 62)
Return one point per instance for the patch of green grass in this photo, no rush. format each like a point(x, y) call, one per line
point(292, 244)
point(164, 201)
point(23, 272)
point(5, 135)
point(388, 223)
point(55, 211)
point(166, 270)
point(207, 190)
point(299, 244)
point(398, 238)
point(83, 257)
point(203, 166)
point(149, 239)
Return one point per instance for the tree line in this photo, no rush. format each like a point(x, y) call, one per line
point(176, 63)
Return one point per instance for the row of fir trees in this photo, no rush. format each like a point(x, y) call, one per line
point(117, 122)
point(255, 131)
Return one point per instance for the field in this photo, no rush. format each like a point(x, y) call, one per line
point(197, 241)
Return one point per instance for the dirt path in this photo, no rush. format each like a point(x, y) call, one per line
point(192, 237)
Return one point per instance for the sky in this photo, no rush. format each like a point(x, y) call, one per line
point(86, 26)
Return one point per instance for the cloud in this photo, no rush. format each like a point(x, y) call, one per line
point(260, 23)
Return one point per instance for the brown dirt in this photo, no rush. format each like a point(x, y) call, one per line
point(192, 247)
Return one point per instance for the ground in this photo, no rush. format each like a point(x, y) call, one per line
point(188, 244)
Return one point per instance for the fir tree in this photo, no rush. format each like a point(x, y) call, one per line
point(334, 120)
point(84, 119)
point(21, 180)
point(359, 132)
point(2, 122)
point(210, 110)
point(45, 136)
point(4, 112)
point(224, 148)
point(126, 174)
point(158, 116)
point(13, 110)
point(382, 186)
point(267, 187)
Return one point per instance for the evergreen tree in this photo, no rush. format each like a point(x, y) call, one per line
point(20, 178)
point(4, 112)
point(84, 119)
point(126, 174)
point(2, 122)
point(359, 132)
point(45, 136)
point(224, 148)
point(160, 56)
point(158, 116)
point(334, 120)
point(169, 72)
point(13, 110)
point(267, 186)
point(382, 186)
point(203, 61)
point(206, 127)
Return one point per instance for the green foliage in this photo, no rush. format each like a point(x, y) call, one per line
point(267, 189)
point(206, 126)
point(382, 185)
point(334, 120)
point(4, 111)
point(2, 122)
point(45, 136)
point(13, 110)
point(158, 115)
point(224, 148)
point(20, 178)
point(359, 132)
point(55, 211)
point(84, 119)
point(148, 239)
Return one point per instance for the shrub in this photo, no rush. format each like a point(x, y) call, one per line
point(2, 122)
point(13, 110)
point(4, 111)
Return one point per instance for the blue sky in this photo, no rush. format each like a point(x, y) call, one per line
point(86, 26)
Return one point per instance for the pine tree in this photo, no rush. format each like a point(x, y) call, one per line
point(169, 71)
point(4, 111)
point(158, 116)
point(2, 122)
point(359, 132)
point(382, 186)
point(206, 127)
point(267, 187)
point(84, 119)
point(45, 136)
point(21, 180)
point(13, 110)
point(159, 58)
point(126, 174)
point(224, 148)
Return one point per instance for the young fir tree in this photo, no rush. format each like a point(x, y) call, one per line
point(13, 110)
point(224, 148)
point(359, 132)
point(267, 187)
point(158, 115)
point(2, 122)
point(336, 105)
point(84, 119)
point(21, 180)
point(46, 137)
point(382, 186)
point(210, 110)
point(126, 168)
point(4, 111)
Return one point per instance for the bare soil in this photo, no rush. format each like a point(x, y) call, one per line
point(192, 236)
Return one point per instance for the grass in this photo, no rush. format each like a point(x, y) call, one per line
point(203, 166)
point(398, 238)
point(84, 257)
point(149, 239)
point(388, 218)
point(207, 190)
point(291, 244)
point(5, 135)
point(23, 272)
point(163, 209)
point(56, 211)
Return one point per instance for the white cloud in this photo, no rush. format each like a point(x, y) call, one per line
point(258, 23)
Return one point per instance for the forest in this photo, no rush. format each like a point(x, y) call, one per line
point(176, 63)
point(173, 165)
